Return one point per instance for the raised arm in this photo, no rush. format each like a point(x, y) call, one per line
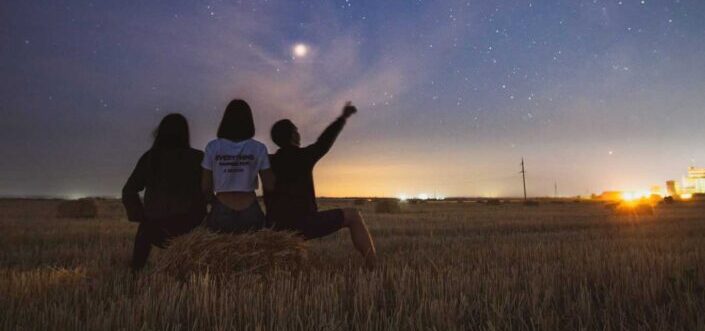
point(327, 138)
point(131, 191)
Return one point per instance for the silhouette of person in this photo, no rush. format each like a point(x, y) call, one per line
point(292, 204)
point(231, 165)
point(169, 173)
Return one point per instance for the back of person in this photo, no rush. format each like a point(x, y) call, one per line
point(292, 205)
point(235, 164)
point(169, 174)
point(170, 179)
point(294, 192)
point(172, 183)
point(231, 166)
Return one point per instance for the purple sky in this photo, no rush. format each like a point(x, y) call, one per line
point(595, 95)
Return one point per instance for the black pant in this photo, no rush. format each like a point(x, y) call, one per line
point(157, 232)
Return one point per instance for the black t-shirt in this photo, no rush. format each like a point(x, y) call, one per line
point(294, 195)
point(171, 179)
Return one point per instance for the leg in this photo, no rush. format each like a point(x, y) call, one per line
point(360, 235)
point(143, 245)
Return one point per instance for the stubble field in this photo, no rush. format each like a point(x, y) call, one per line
point(443, 266)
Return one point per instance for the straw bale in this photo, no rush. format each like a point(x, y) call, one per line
point(203, 251)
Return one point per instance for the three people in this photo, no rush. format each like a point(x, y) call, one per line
point(179, 180)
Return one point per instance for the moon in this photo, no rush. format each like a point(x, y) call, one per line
point(300, 50)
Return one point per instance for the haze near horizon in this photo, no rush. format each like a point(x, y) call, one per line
point(595, 95)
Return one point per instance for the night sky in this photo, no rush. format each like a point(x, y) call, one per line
point(595, 95)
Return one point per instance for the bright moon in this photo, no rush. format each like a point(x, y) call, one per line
point(300, 50)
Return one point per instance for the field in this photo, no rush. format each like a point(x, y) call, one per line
point(444, 266)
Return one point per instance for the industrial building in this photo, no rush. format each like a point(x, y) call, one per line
point(694, 182)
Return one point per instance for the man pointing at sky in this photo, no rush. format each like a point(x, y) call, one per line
point(292, 204)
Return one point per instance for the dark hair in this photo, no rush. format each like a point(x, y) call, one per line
point(282, 131)
point(237, 123)
point(172, 132)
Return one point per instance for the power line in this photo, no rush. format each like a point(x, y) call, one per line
point(523, 176)
point(555, 189)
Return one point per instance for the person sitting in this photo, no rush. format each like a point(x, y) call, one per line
point(231, 166)
point(169, 173)
point(292, 204)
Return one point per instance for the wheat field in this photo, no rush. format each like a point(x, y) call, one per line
point(443, 266)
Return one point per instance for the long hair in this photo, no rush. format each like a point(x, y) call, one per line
point(172, 133)
point(237, 123)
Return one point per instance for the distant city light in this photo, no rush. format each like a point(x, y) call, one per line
point(423, 196)
point(75, 196)
point(628, 196)
point(635, 195)
point(402, 197)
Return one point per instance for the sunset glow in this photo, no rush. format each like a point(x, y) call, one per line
point(595, 96)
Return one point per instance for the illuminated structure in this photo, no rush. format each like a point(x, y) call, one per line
point(694, 182)
point(672, 188)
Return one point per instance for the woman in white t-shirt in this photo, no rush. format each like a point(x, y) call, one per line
point(230, 168)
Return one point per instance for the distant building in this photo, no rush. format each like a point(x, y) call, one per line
point(672, 188)
point(656, 190)
point(694, 182)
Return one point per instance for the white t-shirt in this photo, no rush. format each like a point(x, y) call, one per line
point(235, 165)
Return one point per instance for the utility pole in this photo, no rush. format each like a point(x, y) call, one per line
point(523, 176)
point(555, 189)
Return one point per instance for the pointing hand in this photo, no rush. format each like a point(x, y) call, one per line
point(349, 109)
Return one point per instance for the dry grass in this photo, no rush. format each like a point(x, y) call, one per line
point(205, 252)
point(81, 208)
point(443, 266)
point(387, 206)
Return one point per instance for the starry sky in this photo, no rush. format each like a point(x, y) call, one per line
point(595, 95)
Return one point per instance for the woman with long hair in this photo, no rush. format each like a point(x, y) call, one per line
point(231, 166)
point(169, 173)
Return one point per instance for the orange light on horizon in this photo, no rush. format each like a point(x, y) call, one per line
point(629, 196)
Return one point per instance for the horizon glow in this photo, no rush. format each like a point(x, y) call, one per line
point(594, 95)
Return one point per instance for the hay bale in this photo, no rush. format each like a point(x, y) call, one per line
point(81, 208)
point(387, 206)
point(202, 251)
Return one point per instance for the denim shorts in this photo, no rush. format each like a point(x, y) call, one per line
point(224, 219)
